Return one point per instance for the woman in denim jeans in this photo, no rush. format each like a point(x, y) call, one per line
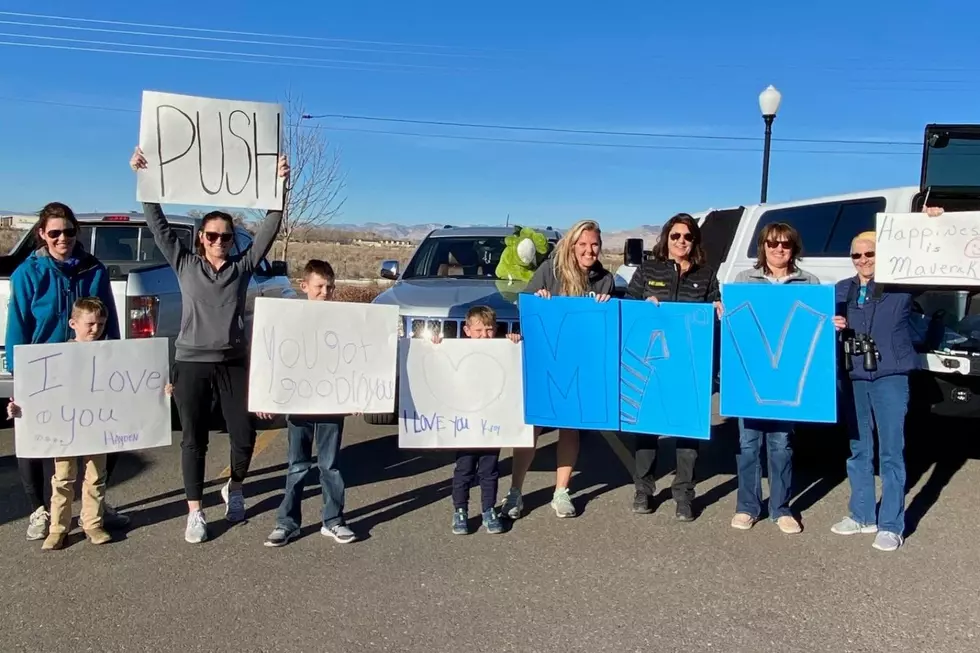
point(779, 252)
point(879, 397)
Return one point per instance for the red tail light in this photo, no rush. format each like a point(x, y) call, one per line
point(116, 218)
point(142, 312)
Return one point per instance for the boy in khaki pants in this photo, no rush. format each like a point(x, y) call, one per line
point(88, 318)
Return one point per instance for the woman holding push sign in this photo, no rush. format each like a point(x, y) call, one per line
point(211, 347)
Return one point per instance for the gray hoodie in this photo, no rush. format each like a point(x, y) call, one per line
point(601, 282)
point(212, 320)
point(754, 275)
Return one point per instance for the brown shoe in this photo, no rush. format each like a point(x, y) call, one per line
point(743, 521)
point(98, 536)
point(789, 525)
point(53, 542)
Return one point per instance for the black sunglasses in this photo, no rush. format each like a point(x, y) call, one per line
point(857, 257)
point(781, 244)
point(55, 234)
point(688, 237)
point(214, 236)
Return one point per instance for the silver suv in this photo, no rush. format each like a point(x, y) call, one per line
point(453, 269)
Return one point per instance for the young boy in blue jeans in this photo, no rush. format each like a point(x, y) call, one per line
point(326, 430)
point(480, 465)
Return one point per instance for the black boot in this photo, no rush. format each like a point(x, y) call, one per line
point(685, 512)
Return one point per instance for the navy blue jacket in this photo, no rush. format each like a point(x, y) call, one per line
point(886, 317)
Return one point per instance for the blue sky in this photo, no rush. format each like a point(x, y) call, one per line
point(868, 70)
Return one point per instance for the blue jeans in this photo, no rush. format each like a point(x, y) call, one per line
point(326, 431)
point(780, 453)
point(882, 402)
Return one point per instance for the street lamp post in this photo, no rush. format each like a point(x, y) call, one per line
point(769, 104)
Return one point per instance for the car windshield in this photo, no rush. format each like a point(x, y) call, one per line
point(459, 257)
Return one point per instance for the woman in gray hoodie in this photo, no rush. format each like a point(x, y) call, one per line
point(779, 252)
point(212, 352)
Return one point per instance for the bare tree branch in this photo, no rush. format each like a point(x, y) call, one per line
point(317, 181)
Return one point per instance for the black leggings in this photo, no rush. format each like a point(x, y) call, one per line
point(195, 385)
point(37, 480)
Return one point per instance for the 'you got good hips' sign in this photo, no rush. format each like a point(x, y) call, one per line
point(88, 398)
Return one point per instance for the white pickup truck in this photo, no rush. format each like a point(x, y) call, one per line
point(143, 284)
point(947, 321)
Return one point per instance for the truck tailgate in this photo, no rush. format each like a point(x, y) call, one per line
point(118, 293)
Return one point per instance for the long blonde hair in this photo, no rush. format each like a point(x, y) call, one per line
point(573, 279)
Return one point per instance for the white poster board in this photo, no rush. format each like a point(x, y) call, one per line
point(461, 394)
point(86, 398)
point(915, 249)
point(322, 358)
point(210, 152)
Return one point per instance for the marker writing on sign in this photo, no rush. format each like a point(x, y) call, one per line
point(324, 364)
point(95, 384)
point(438, 422)
point(74, 418)
point(236, 123)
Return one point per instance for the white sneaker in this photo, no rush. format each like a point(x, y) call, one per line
point(38, 524)
point(197, 528)
point(234, 503)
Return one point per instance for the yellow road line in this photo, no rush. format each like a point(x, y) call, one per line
point(624, 455)
point(262, 442)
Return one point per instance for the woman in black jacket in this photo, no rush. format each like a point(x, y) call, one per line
point(676, 272)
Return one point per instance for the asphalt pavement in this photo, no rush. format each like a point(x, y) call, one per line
point(607, 580)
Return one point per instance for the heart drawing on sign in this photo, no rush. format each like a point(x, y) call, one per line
point(469, 385)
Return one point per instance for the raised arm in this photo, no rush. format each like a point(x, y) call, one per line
point(265, 235)
point(167, 242)
point(268, 229)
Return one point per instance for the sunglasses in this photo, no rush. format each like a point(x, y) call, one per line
point(214, 236)
point(779, 244)
point(857, 257)
point(688, 237)
point(55, 234)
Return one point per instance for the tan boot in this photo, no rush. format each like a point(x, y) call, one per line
point(53, 542)
point(98, 536)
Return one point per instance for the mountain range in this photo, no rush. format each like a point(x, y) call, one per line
point(613, 240)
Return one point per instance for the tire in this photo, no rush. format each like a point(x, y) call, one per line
point(381, 419)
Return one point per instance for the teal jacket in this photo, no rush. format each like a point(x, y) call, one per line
point(42, 292)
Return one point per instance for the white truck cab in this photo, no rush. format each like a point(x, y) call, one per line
point(947, 321)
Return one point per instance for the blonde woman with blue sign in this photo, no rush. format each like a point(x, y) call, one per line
point(573, 270)
point(779, 247)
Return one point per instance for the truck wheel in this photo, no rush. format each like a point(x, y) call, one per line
point(381, 419)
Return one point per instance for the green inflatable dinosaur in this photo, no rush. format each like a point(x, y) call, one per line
point(524, 250)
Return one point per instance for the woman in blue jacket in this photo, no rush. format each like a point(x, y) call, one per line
point(42, 291)
point(880, 384)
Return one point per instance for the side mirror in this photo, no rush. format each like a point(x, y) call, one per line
point(279, 268)
point(389, 270)
point(633, 252)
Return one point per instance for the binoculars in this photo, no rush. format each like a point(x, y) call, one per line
point(863, 345)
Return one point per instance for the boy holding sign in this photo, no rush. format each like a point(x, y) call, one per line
point(480, 465)
point(88, 321)
point(326, 430)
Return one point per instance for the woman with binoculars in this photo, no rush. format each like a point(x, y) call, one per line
point(878, 357)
